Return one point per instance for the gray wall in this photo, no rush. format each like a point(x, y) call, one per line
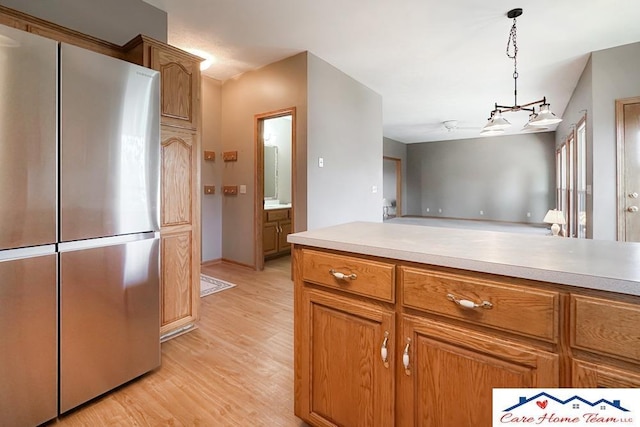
point(609, 75)
point(580, 103)
point(211, 171)
point(398, 150)
point(279, 85)
point(506, 177)
point(345, 129)
point(116, 21)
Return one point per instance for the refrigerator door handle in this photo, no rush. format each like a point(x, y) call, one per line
point(106, 241)
point(28, 252)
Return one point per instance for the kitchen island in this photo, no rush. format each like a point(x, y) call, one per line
point(410, 325)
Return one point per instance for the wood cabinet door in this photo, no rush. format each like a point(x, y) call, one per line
point(177, 290)
point(341, 378)
point(180, 77)
point(285, 230)
point(590, 375)
point(179, 219)
point(270, 238)
point(452, 372)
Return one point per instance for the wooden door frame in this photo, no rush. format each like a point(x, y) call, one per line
point(258, 120)
point(620, 170)
point(398, 162)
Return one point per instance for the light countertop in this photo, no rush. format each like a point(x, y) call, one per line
point(593, 264)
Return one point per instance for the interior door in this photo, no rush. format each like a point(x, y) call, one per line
point(628, 127)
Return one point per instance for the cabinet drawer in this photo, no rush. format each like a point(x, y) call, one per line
point(370, 278)
point(276, 215)
point(606, 326)
point(514, 308)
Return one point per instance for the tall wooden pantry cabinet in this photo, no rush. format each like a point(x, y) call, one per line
point(180, 179)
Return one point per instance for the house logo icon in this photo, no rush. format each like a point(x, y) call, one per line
point(561, 407)
point(542, 401)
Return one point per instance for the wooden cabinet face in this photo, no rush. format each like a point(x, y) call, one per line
point(591, 375)
point(344, 380)
point(285, 230)
point(180, 85)
point(177, 182)
point(276, 228)
point(450, 364)
point(270, 238)
point(176, 277)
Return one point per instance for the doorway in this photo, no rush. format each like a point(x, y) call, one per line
point(392, 187)
point(628, 175)
point(275, 142)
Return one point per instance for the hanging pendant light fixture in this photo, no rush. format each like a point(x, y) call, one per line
point(541, 119)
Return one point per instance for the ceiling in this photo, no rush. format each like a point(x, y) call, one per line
point(430, 60)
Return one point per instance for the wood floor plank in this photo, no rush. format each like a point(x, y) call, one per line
point(236, 369)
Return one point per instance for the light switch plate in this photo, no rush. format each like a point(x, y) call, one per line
point(243, 189)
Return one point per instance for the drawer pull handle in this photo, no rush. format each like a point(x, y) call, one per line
point(405, 357)
point(383, 350)
point(342, 276)
point(469, 304)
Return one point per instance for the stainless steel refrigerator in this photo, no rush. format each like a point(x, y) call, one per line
point(79, 225)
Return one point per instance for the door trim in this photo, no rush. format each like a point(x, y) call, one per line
point(258, 257)
point(620, 169)
point(398, 183)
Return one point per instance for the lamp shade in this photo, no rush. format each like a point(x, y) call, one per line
point(496, 122)
point(554, 217)
point(545, 117)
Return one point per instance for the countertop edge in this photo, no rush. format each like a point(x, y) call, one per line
point(551, 276)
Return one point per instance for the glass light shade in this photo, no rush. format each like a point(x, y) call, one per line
point(497, 122)
point(491, 132)
point(544, 117)
point(554, 217)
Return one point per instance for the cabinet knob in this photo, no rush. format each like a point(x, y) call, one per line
point(632, 209)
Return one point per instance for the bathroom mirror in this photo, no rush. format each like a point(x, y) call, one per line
point(270, 172)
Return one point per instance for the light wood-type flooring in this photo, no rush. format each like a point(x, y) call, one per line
point(236, 369)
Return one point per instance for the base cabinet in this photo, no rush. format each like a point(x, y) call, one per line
point(341, 374)
point(446, 364)
point(276, 228)
point(381, 342)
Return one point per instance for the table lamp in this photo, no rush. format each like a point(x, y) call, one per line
point(556, 218)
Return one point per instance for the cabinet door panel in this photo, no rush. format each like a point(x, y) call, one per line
point(285, 230)
point(176, 278)
point(344, 380)
point(180, 79)
point(590, 375)
point(177, 172)
point(449, 364)
point(270, 238)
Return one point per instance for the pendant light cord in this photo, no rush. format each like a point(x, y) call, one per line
point(512, 42)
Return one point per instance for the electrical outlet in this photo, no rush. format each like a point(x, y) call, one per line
point(320, 162)
point(528, 214)
point(374, 188)
point(481, 212)
point(243, 189)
